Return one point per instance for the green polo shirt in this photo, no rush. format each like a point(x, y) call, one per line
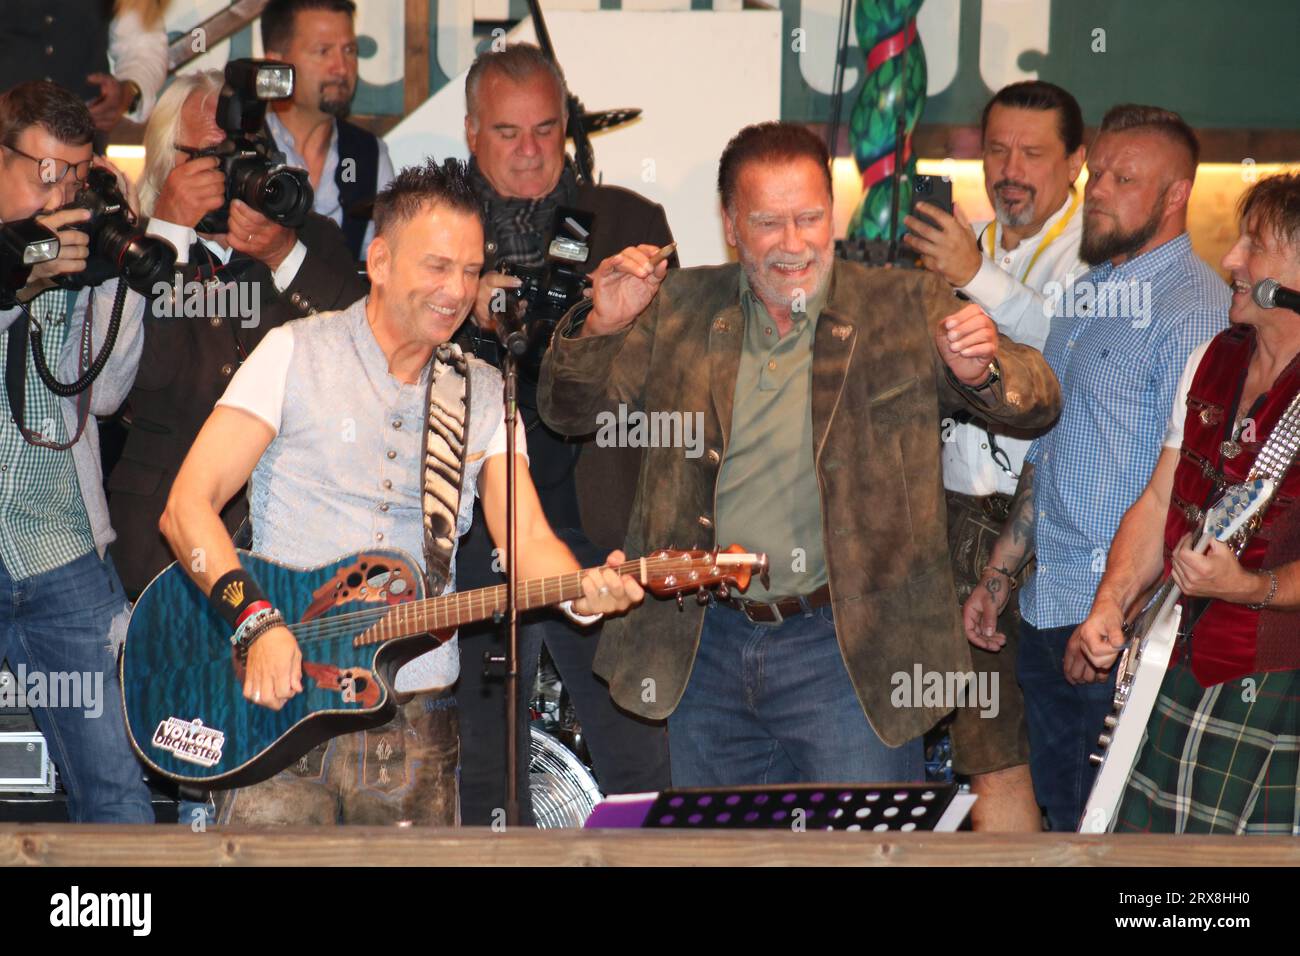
point(45, 524)
point(768, 498)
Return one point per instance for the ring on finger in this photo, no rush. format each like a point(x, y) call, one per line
point(257, 697)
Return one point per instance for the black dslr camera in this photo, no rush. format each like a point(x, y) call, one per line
point(118, 246)
point(255, 170)
point(548, 291)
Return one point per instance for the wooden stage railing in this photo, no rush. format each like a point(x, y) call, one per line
point(69, 845)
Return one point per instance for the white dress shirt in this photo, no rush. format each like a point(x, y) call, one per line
point(1014, 288)
point(140, 55)
point(326, 199)
point(183, 237)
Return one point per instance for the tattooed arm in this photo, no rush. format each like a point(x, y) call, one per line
point(1014, 548)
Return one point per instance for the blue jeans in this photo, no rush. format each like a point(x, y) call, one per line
point(71, 621)
point(773, 703)
point(1064, 722)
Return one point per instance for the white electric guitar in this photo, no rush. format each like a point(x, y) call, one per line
point(1151, 637)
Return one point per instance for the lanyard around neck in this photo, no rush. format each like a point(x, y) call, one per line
point(1076, 196)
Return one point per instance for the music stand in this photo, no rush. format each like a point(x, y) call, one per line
point(901, 807)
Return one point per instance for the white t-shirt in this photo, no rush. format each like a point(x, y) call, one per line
point(1178, 415)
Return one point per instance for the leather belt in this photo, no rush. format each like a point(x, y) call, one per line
point(774, 612)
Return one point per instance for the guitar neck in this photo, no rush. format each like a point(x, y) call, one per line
point(450, 611)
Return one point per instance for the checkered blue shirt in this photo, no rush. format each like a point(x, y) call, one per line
point(1119, 364)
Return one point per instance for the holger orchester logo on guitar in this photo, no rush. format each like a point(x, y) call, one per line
point(190, 741)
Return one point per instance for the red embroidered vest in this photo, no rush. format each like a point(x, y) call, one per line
point(1230, 640)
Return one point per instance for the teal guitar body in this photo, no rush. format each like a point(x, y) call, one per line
point(357, 620)
point(182, 682)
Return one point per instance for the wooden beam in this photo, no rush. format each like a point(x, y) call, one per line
point(416, 75)
point(162, 845)
point(215, 28)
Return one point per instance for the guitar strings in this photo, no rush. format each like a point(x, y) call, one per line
point(408, 613)
point(403, 614)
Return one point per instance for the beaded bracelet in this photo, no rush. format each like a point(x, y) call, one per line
point(1272, 592)
point(254, 626)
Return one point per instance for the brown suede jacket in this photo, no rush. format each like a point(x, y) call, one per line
point(879, 391)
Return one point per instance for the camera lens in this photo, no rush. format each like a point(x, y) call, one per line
point(282, 194)
point(143, 261)
point(286, 196)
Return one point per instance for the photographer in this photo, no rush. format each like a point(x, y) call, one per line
point(515, 123)
point(62, 608)
point(348, 165)
point(233, 288)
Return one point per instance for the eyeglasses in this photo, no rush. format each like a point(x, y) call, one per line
point(52, 170)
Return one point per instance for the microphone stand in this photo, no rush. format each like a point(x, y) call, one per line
point(516, 342)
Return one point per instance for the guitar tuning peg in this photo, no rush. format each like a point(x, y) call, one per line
point(681, 601)
point(702, 596)
point(724, 592)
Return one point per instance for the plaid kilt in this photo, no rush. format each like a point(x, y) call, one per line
point(1221, 759)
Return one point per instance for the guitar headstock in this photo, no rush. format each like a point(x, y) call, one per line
point(1237, 507)
point(669, 572)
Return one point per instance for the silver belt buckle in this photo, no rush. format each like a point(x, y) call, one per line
point(776, 612)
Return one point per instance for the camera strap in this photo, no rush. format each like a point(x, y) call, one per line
point(445, 433)
point(16, 372)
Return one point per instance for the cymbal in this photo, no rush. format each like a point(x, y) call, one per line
point(609, 119)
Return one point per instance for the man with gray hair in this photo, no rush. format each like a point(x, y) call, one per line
point(515, 123)
point(229, 291)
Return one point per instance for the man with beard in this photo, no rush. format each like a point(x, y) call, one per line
point(1119, 339)
point(819, 385)
point(347, 164)
point(1033, 152)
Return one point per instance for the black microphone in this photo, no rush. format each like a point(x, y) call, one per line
point(1270, 294)
point(510, 329)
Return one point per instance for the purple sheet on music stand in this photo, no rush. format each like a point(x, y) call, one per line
point(847, 807)
point(621, 812)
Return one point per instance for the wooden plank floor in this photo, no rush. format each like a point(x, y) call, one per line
point(69, 845)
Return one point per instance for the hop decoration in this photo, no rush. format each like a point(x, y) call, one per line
point(895, 80)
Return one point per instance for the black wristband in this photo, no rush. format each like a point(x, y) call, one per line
point(234, 592)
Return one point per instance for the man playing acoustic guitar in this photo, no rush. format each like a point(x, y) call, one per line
point(325, 422)
point(1222, 746)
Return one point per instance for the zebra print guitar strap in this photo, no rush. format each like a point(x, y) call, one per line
point(446, 429)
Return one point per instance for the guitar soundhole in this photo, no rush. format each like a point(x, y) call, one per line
point(354, 579)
